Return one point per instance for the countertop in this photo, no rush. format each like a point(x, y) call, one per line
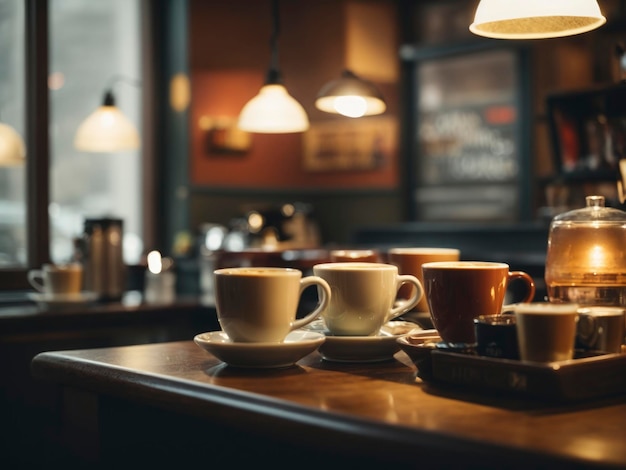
point(353, 413)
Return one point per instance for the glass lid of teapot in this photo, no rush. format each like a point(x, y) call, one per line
point(595, 211)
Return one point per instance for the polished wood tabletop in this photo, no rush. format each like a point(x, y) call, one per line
point(371, 410)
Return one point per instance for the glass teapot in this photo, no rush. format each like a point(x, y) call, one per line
point(586, 258)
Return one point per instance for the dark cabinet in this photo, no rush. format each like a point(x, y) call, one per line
point(588, 132)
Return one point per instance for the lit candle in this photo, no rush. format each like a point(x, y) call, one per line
point(155, 262)
point(160, 280)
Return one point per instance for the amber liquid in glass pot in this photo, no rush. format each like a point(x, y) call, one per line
point(586, 264)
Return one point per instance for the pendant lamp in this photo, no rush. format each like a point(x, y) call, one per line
point(535, 19)
point(350, 96)
point(12, 148)
point(107, 129)
point(273, 110)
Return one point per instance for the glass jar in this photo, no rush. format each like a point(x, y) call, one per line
point(586, 257)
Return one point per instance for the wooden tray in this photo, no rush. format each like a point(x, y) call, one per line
point(586, 376)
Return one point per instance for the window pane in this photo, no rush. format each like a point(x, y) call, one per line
point(92, 44)
point(12, 113)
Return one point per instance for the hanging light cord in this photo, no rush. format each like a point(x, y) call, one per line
point(109, 98)
point(273, 74)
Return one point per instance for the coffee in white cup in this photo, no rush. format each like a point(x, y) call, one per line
point(57, 278)
point(363, 296)
point(260, 304)
point(546, 331)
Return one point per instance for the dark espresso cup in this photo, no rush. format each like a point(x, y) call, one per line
point(460, 291)
point(496, 336)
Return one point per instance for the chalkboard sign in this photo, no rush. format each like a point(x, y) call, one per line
point(469, 144)
point(469, 152)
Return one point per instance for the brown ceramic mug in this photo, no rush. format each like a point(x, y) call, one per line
point(409, 260)
point(460, 291)
point(357, 255)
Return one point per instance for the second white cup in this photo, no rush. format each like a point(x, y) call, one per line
point(363, 296)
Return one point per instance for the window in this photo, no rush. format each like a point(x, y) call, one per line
point(89, 44)
point(12, 113)
point(92, 44)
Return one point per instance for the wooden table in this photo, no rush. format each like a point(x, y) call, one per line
point(175, 404)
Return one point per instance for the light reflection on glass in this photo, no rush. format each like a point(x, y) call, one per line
point(597, 256)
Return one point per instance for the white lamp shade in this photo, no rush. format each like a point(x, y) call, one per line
point(12, 148)
point(351, 105)
point(106, 130)
point(350, 96)
point(273, 111)
point(535, 19)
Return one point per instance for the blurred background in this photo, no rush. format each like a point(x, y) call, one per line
point(477, 133)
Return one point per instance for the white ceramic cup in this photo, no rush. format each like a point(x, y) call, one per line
point(546, 331)
point(363, 296)
point(260, 304)
point(57, 279)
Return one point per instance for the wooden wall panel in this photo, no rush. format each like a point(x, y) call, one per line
point(229, 54)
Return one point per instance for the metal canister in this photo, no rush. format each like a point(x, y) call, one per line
point(105, 272)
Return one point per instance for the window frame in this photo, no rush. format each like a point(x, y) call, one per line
point(37, 143)
point(37, 139)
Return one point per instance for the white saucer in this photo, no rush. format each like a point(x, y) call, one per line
point(381, 347)
point(296, 345)
point(62, 301)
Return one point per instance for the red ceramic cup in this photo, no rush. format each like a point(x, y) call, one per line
point(460, 291)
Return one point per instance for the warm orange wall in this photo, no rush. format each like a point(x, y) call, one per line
point(229, 56)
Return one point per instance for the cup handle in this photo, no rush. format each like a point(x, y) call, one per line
point(35, 278)
point(403, 306)
point(530, 283)
point(324, 300)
